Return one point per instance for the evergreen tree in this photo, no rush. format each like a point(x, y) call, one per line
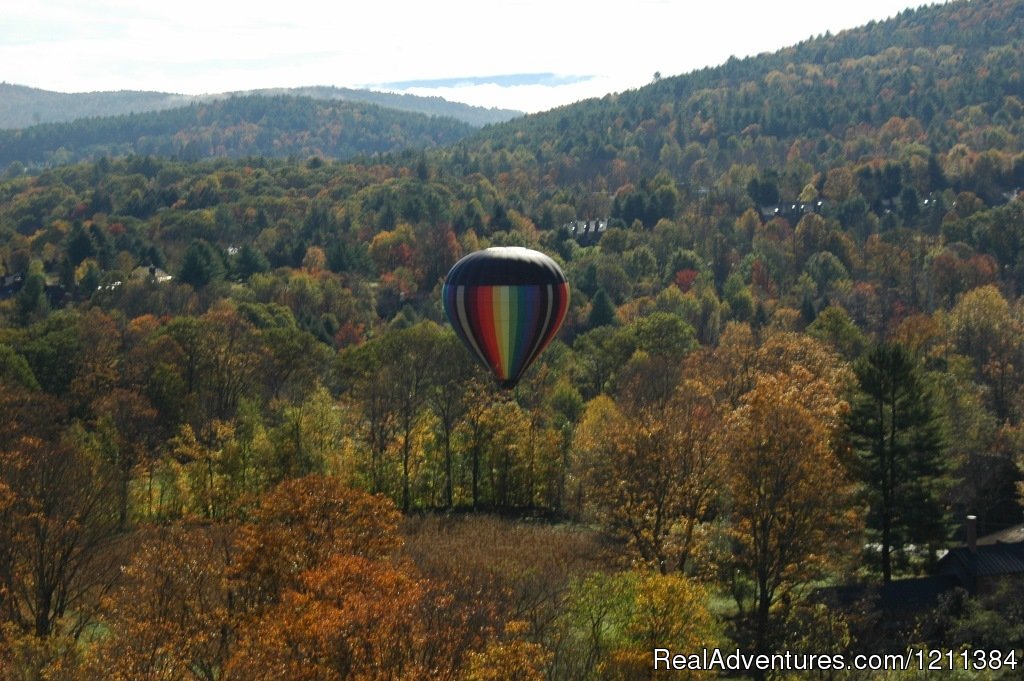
point(32, 304)
point(896, 432)
point(250, 260)
point(90, 280)
point(201, 265)
point(79, 244)
point(105, 249)
point(602, 311)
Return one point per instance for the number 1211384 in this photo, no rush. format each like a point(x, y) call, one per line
point(968, 660)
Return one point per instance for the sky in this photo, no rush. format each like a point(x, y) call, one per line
point(527, 55)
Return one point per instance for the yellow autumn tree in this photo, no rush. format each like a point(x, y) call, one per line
point(790, 501)
point(611, 624)
point(648, 471)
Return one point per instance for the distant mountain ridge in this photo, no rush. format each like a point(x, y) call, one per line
point(22, 106)
point(234, 127)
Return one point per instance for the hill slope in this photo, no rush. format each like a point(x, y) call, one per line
point(235, 127)
point(432, 106)
point(21, 106)
point(938, 76)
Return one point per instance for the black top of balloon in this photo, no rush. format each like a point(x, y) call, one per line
point(505, 266)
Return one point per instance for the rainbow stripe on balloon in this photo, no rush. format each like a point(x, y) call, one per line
point(506, 313)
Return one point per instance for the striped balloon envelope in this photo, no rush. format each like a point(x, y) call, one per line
point(506, 305)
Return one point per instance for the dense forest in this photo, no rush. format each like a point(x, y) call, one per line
point(239, 441)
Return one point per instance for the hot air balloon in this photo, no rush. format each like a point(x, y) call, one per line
point(506, 305)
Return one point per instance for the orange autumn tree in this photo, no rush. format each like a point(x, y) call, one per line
point(352, 617)
point(171, 615)
point(310, 587)
point(301, 523)
point(325, 596)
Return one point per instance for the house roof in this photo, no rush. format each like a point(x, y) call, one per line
point(989, 560)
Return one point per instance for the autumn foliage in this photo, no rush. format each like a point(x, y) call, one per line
point(238, 441)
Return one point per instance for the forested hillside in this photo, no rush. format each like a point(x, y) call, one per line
point(432, 106)
point(253, 125)
point(22, 107)
point(939, 80)
point(239, 440)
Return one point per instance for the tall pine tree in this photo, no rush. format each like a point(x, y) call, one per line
point(899, 445)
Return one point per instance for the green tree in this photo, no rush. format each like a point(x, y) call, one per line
point(249, 261)
point(602, 310)
point(834, 326)
point(390, 379)
point(663, 334)
point(448, 396)
point(79, 244)
point(611, 623)
point(984, 328)
point(15, 371)
point(898, 439)
point(201, 265)
point(601, 353)
point(32, 304)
